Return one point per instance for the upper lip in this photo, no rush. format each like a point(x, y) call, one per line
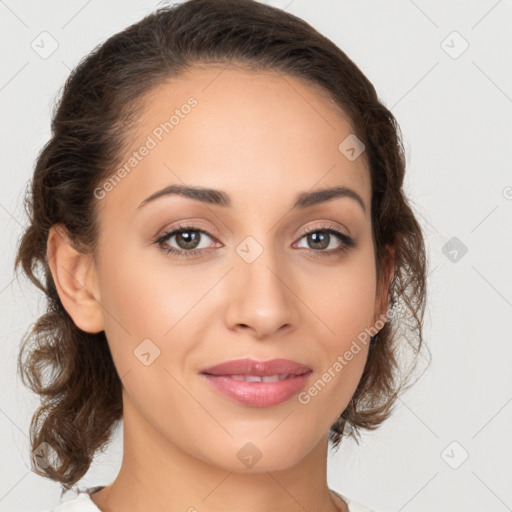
point(259, 368)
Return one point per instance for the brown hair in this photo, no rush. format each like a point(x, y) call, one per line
point(73, 370)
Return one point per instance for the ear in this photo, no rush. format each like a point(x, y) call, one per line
point(382, 299)
point(75, 277)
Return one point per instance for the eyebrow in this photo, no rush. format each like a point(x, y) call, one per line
point(220, 198)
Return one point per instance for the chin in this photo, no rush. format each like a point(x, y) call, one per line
point(257, 455)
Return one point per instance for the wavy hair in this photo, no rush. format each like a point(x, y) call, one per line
point(72, 370)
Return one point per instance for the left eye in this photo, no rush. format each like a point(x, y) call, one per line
point(322, 238)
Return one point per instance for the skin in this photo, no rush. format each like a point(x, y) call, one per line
point(262, 138)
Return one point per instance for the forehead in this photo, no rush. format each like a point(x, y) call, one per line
point(251, 133)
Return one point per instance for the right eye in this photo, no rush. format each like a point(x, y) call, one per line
point(187, 238)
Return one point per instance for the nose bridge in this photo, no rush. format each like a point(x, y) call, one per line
point(260, 296)
point(257, 264)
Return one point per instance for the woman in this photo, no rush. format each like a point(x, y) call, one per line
point(225, 244)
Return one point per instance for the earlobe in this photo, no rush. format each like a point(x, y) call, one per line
point(74, 275)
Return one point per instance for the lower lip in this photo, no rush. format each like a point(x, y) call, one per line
point(258, 394)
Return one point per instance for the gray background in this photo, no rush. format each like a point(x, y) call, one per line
point(455, 111)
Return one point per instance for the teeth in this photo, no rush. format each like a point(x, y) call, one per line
point(252, 378)
point(257, 378)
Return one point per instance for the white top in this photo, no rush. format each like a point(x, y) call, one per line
point(84, 503)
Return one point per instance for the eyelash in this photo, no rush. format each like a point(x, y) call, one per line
point(347, 242)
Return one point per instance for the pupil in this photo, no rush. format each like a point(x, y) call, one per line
point(189, 239)
point(319, 237)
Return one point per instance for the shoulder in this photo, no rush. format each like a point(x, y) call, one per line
point(81, 503)
point(353, 506)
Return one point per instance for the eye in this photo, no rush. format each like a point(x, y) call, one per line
point(187, 238)
point(321, 238)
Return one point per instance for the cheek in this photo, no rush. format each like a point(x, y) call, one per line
point(142, 293)
point(134, 308)
point(146, 297)
point(344, 297)
point(345, 304)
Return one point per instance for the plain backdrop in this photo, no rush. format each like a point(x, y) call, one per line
point(445, 71)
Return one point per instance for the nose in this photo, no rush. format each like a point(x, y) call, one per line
point(261, 296)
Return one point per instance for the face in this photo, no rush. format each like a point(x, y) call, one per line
point(252, 274)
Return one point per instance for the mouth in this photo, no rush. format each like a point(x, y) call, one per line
point(258, 383)
point(258, 378)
